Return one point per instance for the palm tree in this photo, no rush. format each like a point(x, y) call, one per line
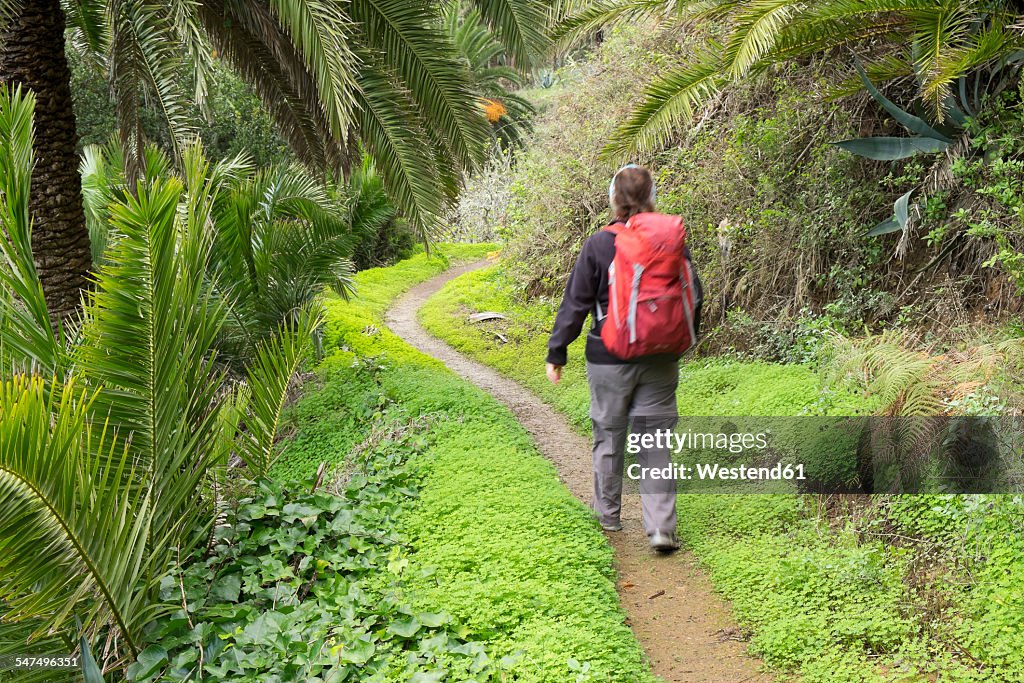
point(338, 77)
point(932, 42)
point(114, 438)
point(281, 236)
point(32, 54)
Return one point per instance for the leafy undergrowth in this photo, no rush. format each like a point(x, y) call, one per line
point(483, 534)
point(833, 589)
point(305, 586)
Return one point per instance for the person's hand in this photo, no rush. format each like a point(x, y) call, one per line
point(554, 373)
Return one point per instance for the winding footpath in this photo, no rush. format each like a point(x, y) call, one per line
point(683, 626)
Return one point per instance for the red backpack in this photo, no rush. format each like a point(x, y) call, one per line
point(654, 294)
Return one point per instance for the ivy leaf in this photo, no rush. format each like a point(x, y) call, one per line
point(294, 511)
point(433, 619)
point(358, 652)
point(149, 662)
point(406, 628)
point(264, 627)
point(427, 677)
point(227, 587)
point(252, 511)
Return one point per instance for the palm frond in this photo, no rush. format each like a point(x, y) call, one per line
point(367, 205)
point(276, 361)
point(145, 65)
point(936, 31)
point(253, 42)
point(319, 31)
point(519, 24)
point(755, 31)
point(670, 100)
point(280, 237)
point(936, 43)
point(574, 23)
point(392, 133)
point(87, 19)
point(883, 69)
point(27, 338)
point(74, 521)
point(980, 50)
point(107, 464)
point(150, 327)
point(409, 43)
point(810, 35)
point(103, 182)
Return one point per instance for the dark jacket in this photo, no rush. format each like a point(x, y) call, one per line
point(587, 285)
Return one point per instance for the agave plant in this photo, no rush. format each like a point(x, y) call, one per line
point(115, 437)
point(932, 42)
point(924, 137)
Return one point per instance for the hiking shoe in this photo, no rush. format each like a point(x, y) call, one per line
point(664, 542)
point(611, 526)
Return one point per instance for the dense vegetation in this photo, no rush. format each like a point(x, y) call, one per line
point(495, 542)
point(759, 184)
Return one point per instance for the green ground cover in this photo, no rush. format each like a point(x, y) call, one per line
point(828, 588)
point(489, 536)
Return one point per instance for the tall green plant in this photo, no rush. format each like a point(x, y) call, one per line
point(116, 438)
point(279, 236)
point(337, 77)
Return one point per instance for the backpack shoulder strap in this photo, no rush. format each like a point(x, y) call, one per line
point(615, 229)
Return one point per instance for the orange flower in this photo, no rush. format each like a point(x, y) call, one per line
point(493, 109)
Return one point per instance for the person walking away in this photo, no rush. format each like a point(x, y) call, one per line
point(636, 281)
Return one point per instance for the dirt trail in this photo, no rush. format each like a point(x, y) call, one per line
point(685, 629)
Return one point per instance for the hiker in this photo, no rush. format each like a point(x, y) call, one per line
point(635, 279)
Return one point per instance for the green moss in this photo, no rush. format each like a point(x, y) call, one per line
point(495, 539)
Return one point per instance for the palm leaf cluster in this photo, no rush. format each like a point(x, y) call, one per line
point(494, 78)
point(340, 78)
point(280, 236)
point(116, 433)
point(934, 43)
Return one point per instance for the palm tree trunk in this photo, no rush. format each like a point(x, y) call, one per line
point(32, 54)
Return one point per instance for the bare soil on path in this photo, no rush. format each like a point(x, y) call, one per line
point(683, 626)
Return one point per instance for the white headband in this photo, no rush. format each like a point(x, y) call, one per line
point(611, 185)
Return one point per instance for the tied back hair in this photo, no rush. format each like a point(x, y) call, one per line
point(632, 192)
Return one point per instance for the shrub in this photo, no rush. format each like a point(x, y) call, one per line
point(115, 437)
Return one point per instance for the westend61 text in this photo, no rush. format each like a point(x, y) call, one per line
point(714, 472)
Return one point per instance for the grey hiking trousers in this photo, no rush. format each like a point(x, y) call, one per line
point(640, 395)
